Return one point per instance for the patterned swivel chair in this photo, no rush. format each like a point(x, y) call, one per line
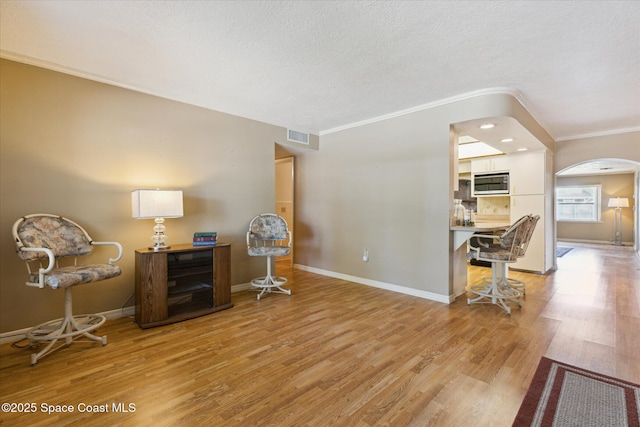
point(269, 236)
point(518, 284)
point(45, 242)
point(500, 250)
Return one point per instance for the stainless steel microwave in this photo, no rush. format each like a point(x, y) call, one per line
point(491, 183)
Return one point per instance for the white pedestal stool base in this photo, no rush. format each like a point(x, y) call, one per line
point(70, 328)
point(270, 284)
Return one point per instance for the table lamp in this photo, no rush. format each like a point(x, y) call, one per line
point(618, 203)
point(157, 204)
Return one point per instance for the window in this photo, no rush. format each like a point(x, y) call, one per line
point(578, 203)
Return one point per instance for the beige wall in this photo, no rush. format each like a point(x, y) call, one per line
point(387, 186)
point(621, 185)
point(366, 188)
point(77, 148)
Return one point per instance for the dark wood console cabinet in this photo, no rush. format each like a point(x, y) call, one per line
point(181, 282)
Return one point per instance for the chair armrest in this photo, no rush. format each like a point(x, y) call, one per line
point(116, 244)
point(41, 271)
point(290, 237)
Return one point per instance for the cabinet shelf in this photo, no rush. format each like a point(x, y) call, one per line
point(181, 282)
point(189, 272)
point(188, 288)
point(189, 310)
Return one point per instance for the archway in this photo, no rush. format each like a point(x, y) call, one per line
point(614, 177)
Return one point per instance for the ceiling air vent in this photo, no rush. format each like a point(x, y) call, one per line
point(296, 136)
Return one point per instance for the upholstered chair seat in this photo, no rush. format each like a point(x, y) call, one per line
point(269, 251)
point(77, 275)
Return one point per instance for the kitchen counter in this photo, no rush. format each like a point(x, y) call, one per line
point(481, 226)
point(462, 233)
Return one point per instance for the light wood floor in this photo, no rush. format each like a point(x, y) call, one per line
point(342, 354)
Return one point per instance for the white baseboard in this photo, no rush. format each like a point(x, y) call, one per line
point(381, 285)
point(596, 242)
point(599, 242)
point(121, 312)
point(241, 287)
point(13, 336)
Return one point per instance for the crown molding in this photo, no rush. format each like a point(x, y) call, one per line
point(516, 94)
point(597, 134)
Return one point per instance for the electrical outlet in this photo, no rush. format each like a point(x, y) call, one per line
point(365, 256)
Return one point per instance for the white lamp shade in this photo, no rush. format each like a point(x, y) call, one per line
point(618, 202)
point(156, 204)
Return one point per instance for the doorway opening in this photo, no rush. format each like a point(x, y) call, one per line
point(284, 205)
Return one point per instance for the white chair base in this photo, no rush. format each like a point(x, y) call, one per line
point(498, 291)
point(270, 284)
point(517, 285)
point(70, 328)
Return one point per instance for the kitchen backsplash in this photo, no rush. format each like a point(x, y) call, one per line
point(493, 206)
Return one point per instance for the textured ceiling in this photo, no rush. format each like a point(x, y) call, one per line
point(322, 65)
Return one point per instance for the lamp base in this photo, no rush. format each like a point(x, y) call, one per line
point(159, 238)
point(159, 247)
point(617, 227)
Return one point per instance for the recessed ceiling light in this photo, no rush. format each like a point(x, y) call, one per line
point(507, 140)
point(488, 126)
point(522, 149)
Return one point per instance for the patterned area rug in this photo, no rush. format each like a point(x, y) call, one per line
point(561, 251)
point(563, 395)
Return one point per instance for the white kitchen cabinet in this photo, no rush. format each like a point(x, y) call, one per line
point(464, 168)
point(531, 185)
point(535, 257)
point(490, 164)
point(528, 170)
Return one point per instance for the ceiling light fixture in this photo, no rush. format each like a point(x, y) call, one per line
point(522, 149)
point(507, 140)
point(488, 126)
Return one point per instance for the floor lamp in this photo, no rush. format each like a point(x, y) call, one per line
point(618, 203)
